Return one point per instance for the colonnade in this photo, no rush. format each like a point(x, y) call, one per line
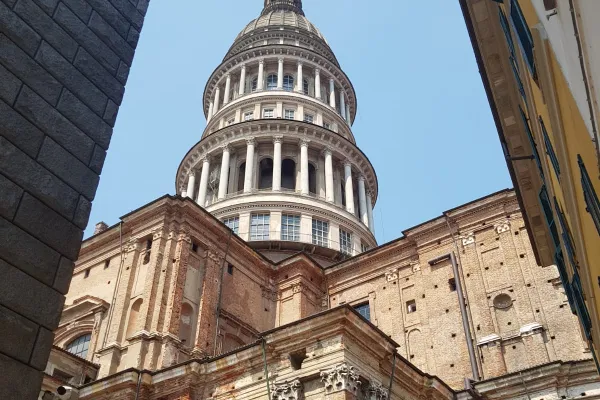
point(217, 102)
point(364, 195)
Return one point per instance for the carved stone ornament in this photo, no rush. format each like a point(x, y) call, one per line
point(376, 391)
point(184, 237)
point(391, 275)
point(287, 391)
point(468, 239)
point(132, 245)
point(341, 377)
point(215, 256)
point(416, 267)
point(269, 294)
point(502, 227)
point(298, 288)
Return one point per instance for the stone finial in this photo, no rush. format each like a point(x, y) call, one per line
point(341, 377)
point(376, 391)
point(100, 227)
point(287, 391)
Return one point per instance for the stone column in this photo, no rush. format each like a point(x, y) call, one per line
point(304, 166)
point(249, 165)
point(261, 75)
point(300, 79)
point(342, 104)
point(329, 187)
point(227, 89)
point(349, 187)
point(280, 74)
point(191, 184)
point(348, 113)
point(332, 93)
point(362, 200)
point(242, 80)
point(183, 190)
point(277, 141)
point(318, 83)
point(370, 212)
point(224, 177)
point(203, 181)
point(210, 112)
point(217, 99)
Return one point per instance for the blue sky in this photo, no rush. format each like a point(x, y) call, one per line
point(423, 118)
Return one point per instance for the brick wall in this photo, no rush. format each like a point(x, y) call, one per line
point(63, 67)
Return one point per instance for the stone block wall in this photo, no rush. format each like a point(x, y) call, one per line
point(63, 68)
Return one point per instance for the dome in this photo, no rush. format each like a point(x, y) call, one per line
point(280, 18)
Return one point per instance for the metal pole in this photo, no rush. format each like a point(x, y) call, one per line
point(220, 293)
point(392, 376)
point(264, 352)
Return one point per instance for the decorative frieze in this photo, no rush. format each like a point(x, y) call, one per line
point(341, 377)
point(376, 391)
point(287, 391)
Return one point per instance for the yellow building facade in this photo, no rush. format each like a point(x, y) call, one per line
point(538, 66)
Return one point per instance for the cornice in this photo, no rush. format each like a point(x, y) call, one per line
point(269, 128)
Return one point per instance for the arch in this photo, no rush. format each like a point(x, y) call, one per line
point(288, 174)
point(305, 87)
point(506, 315)
point(288, 83)
point(272, 82)
point(312, 178)
point(416, 348)
point(80, 345)
point(132, 324)
point(265, 176)
point(186, 324)
point(241, 176)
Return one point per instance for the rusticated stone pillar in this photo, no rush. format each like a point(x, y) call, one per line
point(177, 283)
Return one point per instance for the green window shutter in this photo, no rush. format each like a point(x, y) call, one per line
point(550, 149)
point(591, 199)
point(564, 278)
point(523, 34)
point(566, 235)
point(582, 311)
point(548, 213)
point(534, 149)
point(506, 29)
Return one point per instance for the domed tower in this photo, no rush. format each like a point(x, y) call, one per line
point(278, 162)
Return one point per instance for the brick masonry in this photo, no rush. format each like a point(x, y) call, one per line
point(63, 69)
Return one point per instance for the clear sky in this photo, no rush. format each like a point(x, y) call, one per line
point(423, 118)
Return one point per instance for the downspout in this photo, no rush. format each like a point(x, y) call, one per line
point(586, 83)
point(264, 353)
point(220, 292)
point(392, 375)
point(463, 310)
point(114, 297)
point(139, 384)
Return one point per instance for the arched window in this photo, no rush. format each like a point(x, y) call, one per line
point(132, 324)
point(305, 87)
point(288, 83)
point(288, 174)
point(312, 179)
point(186, 324)
point(80, 346)
point(265, 180)
point(241, 177)
point(272, 82)
point(254, 85)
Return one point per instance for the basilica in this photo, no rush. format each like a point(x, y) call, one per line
point(262, 278)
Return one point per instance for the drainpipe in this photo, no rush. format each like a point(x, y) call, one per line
point(139, 384)
point(218, 309)
point(463, 309)
point(586, 83)
point(264, 353)
point(392, 375)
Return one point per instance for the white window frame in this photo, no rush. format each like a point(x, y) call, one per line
point(260, 225)
point(290, 227)
point(249, 116)
point(271, 111)
point(346, 242)
point(320, 232)
point(289, 114)
point(233, 223)
point(310, 118)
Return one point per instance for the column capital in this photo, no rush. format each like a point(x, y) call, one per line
point(243, 65)
point(192, 173)
point(182, 188)
point(280, 59)
point(261, 61)
point(327, 151)
point(317, 71)
point(300, 62)
point(331, 80)
point(206, 159)
point(304, 142)
point(277, 139)
point(228, 75)
point(369, 193)
point(361, 177)
point(226, 148)
point(251, 141)
point(347, 163)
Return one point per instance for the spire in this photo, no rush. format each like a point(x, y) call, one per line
point(290, 5)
